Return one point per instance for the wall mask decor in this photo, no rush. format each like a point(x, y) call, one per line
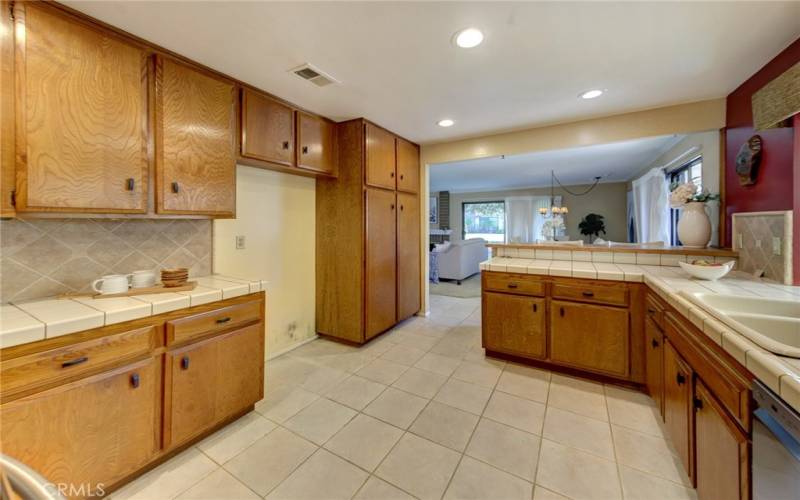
point(748, 160)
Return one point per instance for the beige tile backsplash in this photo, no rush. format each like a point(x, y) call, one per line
point(753, 234)
point(46, 257)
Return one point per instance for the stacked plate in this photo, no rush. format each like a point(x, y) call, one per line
point(174, 277)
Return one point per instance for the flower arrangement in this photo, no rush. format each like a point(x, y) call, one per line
point(681, 194)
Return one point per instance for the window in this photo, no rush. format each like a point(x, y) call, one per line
point(485, 219)
point(692, 171)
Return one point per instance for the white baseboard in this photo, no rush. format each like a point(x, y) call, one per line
point(292, 347)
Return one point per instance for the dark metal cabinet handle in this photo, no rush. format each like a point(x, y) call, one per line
point(76, 361)
point(285, 144)
point(130, 184)
point(680, 379)
point(185, 363)
point(305, 150)
point(402, 207)
point(698, 404)
point(391, 174)
point(135, 380)
point(392, 206)
point(588, 294)
point(223, 320)
point(512, 285)
point(401, 177)
point(654, 343)
point(561, 311)
point(175, 187)
point(651, 312)
point(535, 308)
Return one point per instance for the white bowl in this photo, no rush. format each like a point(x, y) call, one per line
point(710, 273)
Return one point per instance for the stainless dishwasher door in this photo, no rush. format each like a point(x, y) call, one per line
point(776, 447)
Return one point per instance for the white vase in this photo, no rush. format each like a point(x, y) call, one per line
point(694, 226)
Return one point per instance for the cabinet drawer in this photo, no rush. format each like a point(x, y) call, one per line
point(199, 325)
point(514, 283)
point(615, 295)
point(655, 310)
point(49, 366)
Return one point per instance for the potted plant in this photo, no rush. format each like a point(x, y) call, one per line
point(694, 226)
point(592, 225)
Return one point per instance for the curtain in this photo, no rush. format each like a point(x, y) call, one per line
point(523, 220)
point(651, 207)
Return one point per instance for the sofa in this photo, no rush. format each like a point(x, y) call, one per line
point(462, 259)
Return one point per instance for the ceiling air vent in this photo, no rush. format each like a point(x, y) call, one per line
point(313, 75)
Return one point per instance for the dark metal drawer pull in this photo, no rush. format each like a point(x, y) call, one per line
point(135, 380)
point(285, 144)
point(651, 311)
point(680, 378)
point(698, 404)
point(535, 308)
point(654, 343)
point(305, 150)
point(129, 184)
point(223, 320)
point(185, 363)
point(588, 294)
point(76, 361)
point(561, 311)
point(512, 285)
point(175, 187)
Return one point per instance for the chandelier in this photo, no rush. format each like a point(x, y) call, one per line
point(554, 209)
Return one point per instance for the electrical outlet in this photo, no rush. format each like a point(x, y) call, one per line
point(776, 245)
point(240, 242)
point(739, 240)
point(292, 329)
point(758, 243)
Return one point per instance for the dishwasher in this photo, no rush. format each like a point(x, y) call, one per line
point(776, 447)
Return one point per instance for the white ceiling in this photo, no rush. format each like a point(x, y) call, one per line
point(399, 68)
point(614, 162)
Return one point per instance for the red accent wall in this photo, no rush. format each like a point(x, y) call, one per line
point(778, 184)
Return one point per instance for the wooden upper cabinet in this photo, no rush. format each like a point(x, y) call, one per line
point(7, 176)
point(316, 144)
point(82, 120)
point(381, 270)
point(195, 137)
point(381, 160)
point(408, 259)
point(96, 430)
point(407, 166)
point(678, 397)
point(722, 462)
point(591, 337)
point(514, 324)
point(267, 129)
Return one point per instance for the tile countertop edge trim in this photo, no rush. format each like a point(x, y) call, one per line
point(774, 371)
point(716, 252)
point(59, 327)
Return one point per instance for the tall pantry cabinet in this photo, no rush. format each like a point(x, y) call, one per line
point(368, 234)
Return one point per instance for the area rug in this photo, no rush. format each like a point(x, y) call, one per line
point(470, 287)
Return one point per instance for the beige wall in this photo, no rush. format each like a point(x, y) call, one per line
point(679, 119)
point(276, 214)
point(608, 200)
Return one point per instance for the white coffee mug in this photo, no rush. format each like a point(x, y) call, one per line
point(143, 279)
point(113, 283)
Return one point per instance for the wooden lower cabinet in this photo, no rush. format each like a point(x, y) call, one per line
point(203, 388)
point(515, 324)
point(590, 337)
point(721, 460)
point(654, 355)
point(678, 401)
point(92, 432)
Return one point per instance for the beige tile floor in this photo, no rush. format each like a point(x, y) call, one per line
point(421, 412)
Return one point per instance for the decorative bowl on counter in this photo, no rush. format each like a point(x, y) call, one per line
point(707, 271)
point(174, 277)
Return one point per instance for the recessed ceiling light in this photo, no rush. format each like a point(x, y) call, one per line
point(468, 38)
point(446, 122)
point(591, 94)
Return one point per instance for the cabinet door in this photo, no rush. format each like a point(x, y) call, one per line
point(212, 380)
point(591, 337)
point(722, 460)
point(654, 345)
point(380, 157)
point(514, 324)
point(7, 176)
point(267, 129)
point(678, 404)
point(381, 268)
point(82, 117)
point(316, 139)
point(195, 131)
point(408, 260)
point(96, 430)
point(407, 166)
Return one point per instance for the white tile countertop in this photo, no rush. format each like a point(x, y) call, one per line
point(779, 373)
point(34, 320)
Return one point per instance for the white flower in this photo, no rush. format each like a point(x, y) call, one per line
point(682, 194)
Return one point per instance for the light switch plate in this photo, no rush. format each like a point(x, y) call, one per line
point(776, 245)
point(240, 242)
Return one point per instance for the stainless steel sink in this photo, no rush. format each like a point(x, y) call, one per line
point(772, 324)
